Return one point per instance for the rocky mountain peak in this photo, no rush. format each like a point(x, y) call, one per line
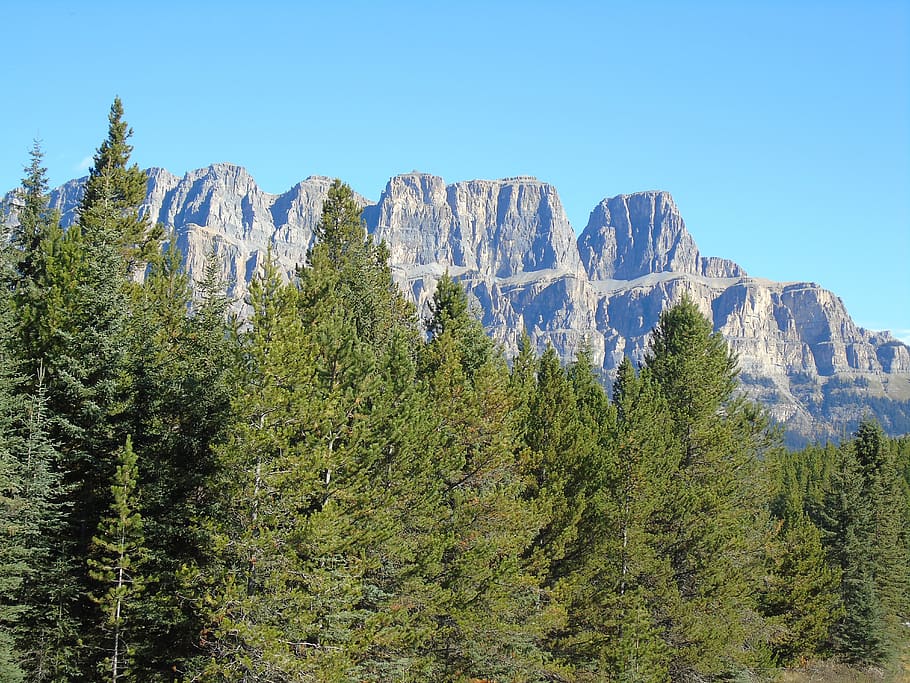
point(631, 235)
point(499, 228)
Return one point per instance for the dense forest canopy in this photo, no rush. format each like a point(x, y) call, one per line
point(336, 490)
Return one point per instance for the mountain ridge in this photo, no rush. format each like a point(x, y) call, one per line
point(511, 245)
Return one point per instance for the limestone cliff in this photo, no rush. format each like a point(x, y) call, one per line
point(633, 235)
point(510, 243)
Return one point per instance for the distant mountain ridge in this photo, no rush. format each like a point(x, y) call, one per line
point(511, 245)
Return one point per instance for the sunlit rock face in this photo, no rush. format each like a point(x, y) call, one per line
point(509, 242)
point(495, 228)
point(633, 235)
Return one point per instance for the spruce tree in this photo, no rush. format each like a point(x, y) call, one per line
point(70, 311)
point(36, 224)
point(46, 635)
point(884, 491)
point(863, 519)
point(175, 399)
point(848, 521)
point(121, 188)
point(14, 540)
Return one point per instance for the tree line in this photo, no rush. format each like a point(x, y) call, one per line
point(334, 489)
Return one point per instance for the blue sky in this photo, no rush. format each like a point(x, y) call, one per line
point(782, 129)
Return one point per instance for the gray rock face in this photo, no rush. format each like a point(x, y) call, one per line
point(509, 242)
point(495, 228)
point(636, 234)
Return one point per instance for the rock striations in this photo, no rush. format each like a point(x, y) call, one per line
point(511, 245)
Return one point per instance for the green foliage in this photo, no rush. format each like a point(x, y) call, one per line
point(347, 269)
point(450, 314)
point(69, 310)
point(494, 613)
point(42, 592)
point(115, 564)
point(800, 596)
point(621, 586)
point(711, 538)
point(120, 189)
point(848, 520)
point(14, 541)
point(330, 493)
point(175, 403)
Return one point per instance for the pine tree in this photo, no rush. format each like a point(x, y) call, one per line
point(800, 593)
point(346, 262)
point(115, 564)
point(622, 587)
point(318, 463)
point(800, 598)
point(493, 614)
point(556, 438)
point(712, 542)
point(46, 635)
point(257, 603)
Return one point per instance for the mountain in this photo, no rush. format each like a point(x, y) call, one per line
point(511, 245)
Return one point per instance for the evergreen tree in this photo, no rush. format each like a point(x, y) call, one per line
point(800, 598)
point(622, 589)
point(259, 601)
point(863, 517)
point(70, 308)
point(325, 476)
point(46, 638)
point(121, 188)
point(46, 634)
point(712, 542)
point(36, 265)
point(848, 521)
point(175, 399)
point(800, 593)
point(556, 439)
point(884, 492)
point(115, 563)
point(14, 543)
point(493, 614)
point(37, 223)
point(347, 263)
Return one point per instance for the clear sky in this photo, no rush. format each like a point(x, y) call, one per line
point(781, 128)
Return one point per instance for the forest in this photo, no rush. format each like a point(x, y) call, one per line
point(335, 489)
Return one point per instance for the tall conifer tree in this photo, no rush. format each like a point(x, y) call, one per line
point(861, 517)
point(115, 564)
point(494, 615)
point(32, 300)
point(713, 540)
